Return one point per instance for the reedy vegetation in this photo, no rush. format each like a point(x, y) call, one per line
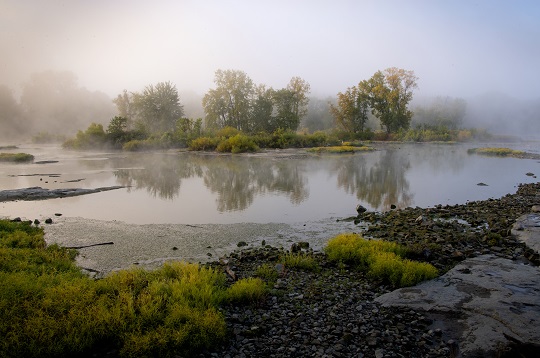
point(50, 308)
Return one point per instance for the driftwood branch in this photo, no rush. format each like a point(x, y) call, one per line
point(84, 246)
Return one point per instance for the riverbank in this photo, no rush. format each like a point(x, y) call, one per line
point(336, 312)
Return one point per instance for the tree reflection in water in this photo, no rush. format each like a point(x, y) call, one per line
point(235, 179)
point(379, 179)
point(161, 175)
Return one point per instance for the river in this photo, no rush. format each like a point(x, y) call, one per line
point(302, 193)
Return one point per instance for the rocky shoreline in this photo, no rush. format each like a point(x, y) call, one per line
point(335, 312)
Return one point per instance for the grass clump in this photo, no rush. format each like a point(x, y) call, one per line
point(49, 308)
point(494, 151)
point(247, 290)
point(16, 157)
point(340, 149)
point(301, 260)
point(381, 260)
point(266, 272)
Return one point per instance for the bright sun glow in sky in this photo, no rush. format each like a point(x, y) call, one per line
point(457, 48)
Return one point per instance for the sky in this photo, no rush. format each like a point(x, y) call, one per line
point(457, 48)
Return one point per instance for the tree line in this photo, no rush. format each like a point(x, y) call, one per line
point(156, 113)
point(238, 102)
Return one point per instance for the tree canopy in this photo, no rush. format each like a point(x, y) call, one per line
point(387, 93)
point(237, 102)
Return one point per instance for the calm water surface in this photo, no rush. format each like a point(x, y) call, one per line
point(285, 187)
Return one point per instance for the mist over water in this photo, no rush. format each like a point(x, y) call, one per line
point(291, 187)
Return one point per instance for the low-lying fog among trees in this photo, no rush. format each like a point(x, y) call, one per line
point(54, 102)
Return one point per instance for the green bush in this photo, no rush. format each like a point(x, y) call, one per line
point(251, 289)
point(137, 145)
point(300, 260)
point(93, 137)
point(341, 149)
point(49, 308)
point(16, 157)
point(239, 143)
point(204, 143)
point(498, 152)
point(227, 132)
point(267, 272)
point(381, 260)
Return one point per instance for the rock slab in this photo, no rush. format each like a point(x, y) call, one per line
point(527, 229)
point(496, 302)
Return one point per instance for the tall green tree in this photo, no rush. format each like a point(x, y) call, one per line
point(351, 110)
point(390, 94)
point(299, 90)
point(285, 112)
point(158, 107)
point(230, 103)
point(262, 110)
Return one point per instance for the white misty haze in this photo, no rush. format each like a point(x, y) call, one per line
point(458, 48)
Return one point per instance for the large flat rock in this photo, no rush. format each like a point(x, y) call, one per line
point(485, 303)
point(527, 229)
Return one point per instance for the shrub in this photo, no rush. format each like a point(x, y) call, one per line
point(50, 308)
point(227, 132)
point(301, 260)
point(500, 152)
point(93, 137)
point(204, 143)
point(16, 157)
point(246, 290)
point(382, 260)
point(341, 149)
point(136, 145)
point(267, 272)
point(239, 143)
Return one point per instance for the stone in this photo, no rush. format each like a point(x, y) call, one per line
point(527, 229)
point(497, 299)
point(360, 209)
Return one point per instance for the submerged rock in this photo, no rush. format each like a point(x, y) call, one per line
point(38, 193)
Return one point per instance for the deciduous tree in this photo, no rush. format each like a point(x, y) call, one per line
point(158, 107)
point(351, 110)
point(390, 94)
point(230, 103)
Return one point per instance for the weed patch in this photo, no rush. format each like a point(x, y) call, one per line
point(16, 157)
point(381, 260)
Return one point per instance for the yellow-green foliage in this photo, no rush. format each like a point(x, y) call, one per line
point(250, 289)
point(204, 143)
point(501, 152)
point(381, 260)
point(49, 308)
point(16, 157)
point(239, 143)
point(301, 260)
point(93, 137)
point(341, 149)
point(267, 272)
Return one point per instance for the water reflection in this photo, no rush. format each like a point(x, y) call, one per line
point(236, 180)
point(161, 175)
point(380, 181)
point(173, 187)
